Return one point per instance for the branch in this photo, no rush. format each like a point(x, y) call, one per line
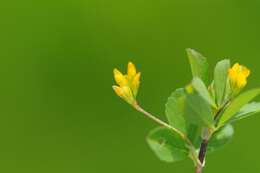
point(160, 122)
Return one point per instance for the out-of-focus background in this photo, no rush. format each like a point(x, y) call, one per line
point(58, 113)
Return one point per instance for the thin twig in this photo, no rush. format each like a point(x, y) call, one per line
point(162, 123)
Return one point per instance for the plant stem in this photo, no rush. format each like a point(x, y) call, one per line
point(202, 154)
point(198, 169)
point(203, 150)
point(160, 122)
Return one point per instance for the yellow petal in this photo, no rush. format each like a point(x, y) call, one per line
point(136, 83)
point(137, 78)
point(128, 95)
point(241, 81)
point(131, 70)
point(232, 74)
point(127, 91)
point(245, 71)
point(119, 78)
point(236, 67)
point(118, 90)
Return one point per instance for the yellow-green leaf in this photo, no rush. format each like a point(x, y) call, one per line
point(236, 105)
point(246, 111)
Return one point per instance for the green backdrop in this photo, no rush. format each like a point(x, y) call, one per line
point(58, 111)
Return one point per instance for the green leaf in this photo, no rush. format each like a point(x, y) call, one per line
point(200, 87)
point(212, 91)
point(220, 138)
point(220, 79)
point(194, 134)
point(246, 111)
point(228, 92)
point(236, 105)
point(198, 111)
point(199, 65)
point(175, 110)
point(167, 145)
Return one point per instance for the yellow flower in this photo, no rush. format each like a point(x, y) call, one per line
point(128, 84)
point(238, 77)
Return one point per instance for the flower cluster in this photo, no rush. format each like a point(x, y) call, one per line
point(128, 84)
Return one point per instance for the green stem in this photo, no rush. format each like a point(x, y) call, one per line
point(198, 169)
point(202, 154)
point(162, 123)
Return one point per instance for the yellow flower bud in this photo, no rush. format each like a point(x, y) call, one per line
point(238, 77)
point(118, 90)
point(125, 93)
point(120, 78)
point(128, 84)
point(189, 89)
point(136, 83)
point(128, 95)
point(131, 71)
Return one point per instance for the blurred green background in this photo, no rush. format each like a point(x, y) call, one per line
point(58, 111)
